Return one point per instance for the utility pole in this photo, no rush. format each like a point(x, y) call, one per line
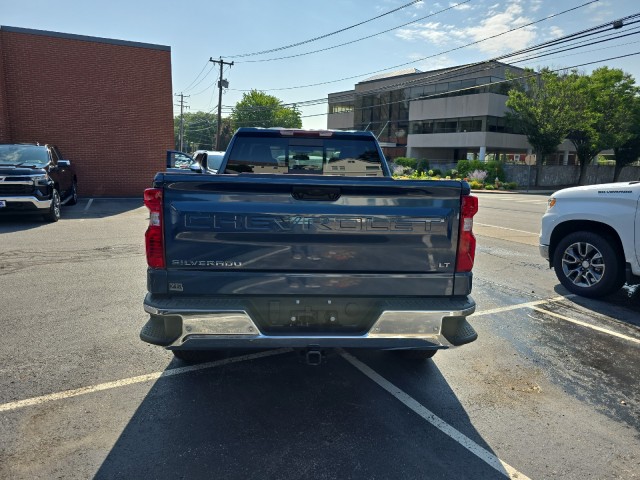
point(221, 83)
point(182, 107)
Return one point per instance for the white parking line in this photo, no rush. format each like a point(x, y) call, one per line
point(517, 306)
point(535, 306)
point(86, 209)
point(584, 324)
point(482, 453)
point(133, 380)
point(505, 228)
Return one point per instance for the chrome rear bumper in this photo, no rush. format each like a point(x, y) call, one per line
point(196, 323)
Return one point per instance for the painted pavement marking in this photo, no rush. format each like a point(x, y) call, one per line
point(482, 453)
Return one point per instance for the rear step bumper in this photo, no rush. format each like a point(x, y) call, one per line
point(203, 324)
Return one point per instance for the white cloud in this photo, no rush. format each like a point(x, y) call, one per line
point(535, 5)
point(599, 11)
point(502, 22)
point(433, 32)
point(458, 6)
point(441, 61)
point(556, 32)
point(495, 22)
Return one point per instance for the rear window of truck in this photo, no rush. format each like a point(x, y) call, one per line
point(316, 156)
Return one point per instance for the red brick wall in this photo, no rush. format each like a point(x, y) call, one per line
point(107, 107)
point(4, 108)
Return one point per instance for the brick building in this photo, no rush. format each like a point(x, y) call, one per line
point(107, 104)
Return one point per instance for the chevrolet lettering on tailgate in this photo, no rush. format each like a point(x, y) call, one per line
point(226, 222)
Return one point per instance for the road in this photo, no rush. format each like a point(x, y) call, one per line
point(549, 390)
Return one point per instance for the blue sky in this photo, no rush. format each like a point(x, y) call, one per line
point(198, 30)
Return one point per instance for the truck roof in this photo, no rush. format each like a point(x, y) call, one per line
point(299, 132)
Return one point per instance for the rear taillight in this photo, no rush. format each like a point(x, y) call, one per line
point(153, 236)
point(466, 239)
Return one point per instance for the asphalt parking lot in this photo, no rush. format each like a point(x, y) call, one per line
point(549, 390)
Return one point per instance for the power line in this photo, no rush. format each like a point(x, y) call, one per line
point(434, 55)
point(447, 74)
point(326, 34)
point(426, 97)
point(197, 76)
point(573, 41)
point(421, 59)
point(451, 7)
point(527, 61)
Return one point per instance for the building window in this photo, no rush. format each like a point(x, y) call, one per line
point(472, 124)
point(341, 108)
point(462, 125)
point(445, 126)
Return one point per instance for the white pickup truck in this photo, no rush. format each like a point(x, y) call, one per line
point(591, 237)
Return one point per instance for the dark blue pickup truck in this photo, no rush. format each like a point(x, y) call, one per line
point(304, 240)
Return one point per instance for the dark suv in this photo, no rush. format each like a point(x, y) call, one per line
point(35, 179)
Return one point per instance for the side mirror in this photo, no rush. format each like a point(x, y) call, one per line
point(195, 167)
point(64, 163)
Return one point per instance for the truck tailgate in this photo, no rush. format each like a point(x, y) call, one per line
point(358, 232)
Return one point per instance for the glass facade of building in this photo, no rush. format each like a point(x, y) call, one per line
point(387, 113)
point(462, 125)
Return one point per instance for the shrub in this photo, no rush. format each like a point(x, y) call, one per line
point(465, 167)
point(510, 186)
point(475, 185)
point(495, 169)
point(423, 165)
point(489, 187)
point(478, 176)
point(407, 162)
point(398, 169)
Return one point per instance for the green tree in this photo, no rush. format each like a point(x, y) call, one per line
point(629, 151)
point(601, 113)
point(539, 108)
point(257, 109)
point(199, 131)
point(226, 132)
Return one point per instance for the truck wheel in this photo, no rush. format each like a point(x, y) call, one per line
point(417, 354)
point(196, 356)
point(587, 264)
point(73, 196)
point(54, 210)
